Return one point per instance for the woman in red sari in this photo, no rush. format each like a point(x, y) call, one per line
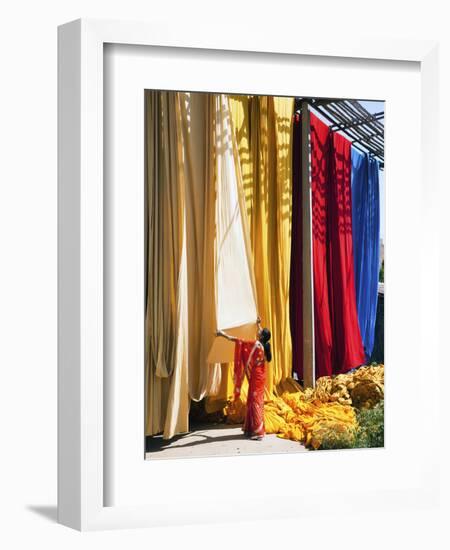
point(249, 359)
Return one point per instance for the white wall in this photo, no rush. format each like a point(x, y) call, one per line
point(28, 266)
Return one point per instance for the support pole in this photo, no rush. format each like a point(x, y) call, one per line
point(307, 253)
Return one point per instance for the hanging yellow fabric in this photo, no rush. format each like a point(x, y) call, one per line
point(283, 111)
point(166, 367)
point(235, 282)
point(198, 145)
point(263, 130)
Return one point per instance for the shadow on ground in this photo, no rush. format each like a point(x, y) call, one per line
point(48, 512)
point(216, 440)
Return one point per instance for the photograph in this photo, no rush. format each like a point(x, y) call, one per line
point(264, 274)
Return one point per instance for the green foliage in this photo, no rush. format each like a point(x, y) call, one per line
point(371, 427)
point(370, 431)
point(334, 440)
point(381, 276)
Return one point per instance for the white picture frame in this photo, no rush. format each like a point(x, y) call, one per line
point(81, 465)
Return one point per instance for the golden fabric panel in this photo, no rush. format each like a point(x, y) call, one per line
point(263, 130)
point(283, 128)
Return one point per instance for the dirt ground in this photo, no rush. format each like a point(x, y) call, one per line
point(217, 440)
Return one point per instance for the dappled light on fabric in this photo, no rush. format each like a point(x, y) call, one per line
point(235, 285)
point(224, 245)
point(348, 349)
point(338, 343)
point(263, 130)
point(235, 289)
point(198, 145)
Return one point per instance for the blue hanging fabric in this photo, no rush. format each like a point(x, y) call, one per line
point(366, 242)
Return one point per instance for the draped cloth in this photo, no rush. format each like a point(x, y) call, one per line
point(235, 290)
point(197, 115)
point(366, 242)
point(348, 351)
point(166, 314)
point(211, 208)
point(263, 130)
point(338, 344)
point(249, 361)
point(320, 160)
point(321, 185)
point(235, 282)
point(296, 266)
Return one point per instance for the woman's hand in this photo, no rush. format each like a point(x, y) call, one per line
point(225, 335)
point(258, 320)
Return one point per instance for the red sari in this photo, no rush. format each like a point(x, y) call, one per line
point(249, 360)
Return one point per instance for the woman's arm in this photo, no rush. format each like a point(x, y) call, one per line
point(258, 322)
point(225, 335)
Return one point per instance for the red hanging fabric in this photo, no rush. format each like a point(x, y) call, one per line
point(338, 343)
point(320, 146)
point(320, 184)
point(348, 351)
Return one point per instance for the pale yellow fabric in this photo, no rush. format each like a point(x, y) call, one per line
point(198, 118)
point(263, 130)
point(167, 403)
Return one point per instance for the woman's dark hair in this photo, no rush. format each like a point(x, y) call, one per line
point(264, 337)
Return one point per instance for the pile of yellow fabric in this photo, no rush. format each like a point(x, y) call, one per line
point(362, 388)
point(292, 416)
point(327, 411)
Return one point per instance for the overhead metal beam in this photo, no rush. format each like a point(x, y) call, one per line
point(376, 116)
point(365, 130)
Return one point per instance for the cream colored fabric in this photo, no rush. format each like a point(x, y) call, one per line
point(235, 290)
point(167, 403)
point(197, 116)
point(263, 130)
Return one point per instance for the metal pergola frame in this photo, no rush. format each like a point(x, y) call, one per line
point(365, 130)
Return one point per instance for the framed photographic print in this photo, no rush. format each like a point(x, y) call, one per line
point(225, 210)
